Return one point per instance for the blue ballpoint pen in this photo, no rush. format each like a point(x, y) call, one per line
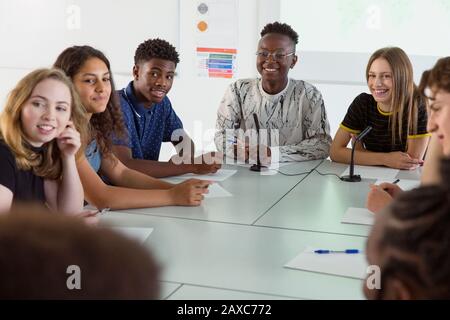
point(347, 251)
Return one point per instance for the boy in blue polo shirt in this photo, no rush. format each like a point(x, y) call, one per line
point(151, 120)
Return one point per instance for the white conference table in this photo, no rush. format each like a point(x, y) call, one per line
point(253, 195)
point(236, 247)
point(319, 202)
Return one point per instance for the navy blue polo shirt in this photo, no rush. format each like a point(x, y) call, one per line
point(147, 128)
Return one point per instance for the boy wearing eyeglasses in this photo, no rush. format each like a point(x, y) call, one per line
point(292, 112)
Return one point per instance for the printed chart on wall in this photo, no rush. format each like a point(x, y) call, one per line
point(216, 38)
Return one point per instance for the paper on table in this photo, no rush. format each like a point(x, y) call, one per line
point(369, 172)
point(220, 175)
point(405, 184)
point(341, 264)
point(358, 216)
point(217, 191)
point(272, 169)
point(138, 234)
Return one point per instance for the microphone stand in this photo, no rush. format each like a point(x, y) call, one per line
point(257, 167)
point(355, 177)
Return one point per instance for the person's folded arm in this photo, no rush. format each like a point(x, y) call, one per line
point(153, 168)
point(101, 195)
point(340, 153)
point(316, 135)
point(121, 175)
point(313, 148)
point(417, 145)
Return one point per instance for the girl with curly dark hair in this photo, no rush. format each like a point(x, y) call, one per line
point(91, 75)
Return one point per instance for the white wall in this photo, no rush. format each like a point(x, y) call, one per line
point(337, 38)
point(33, 36)
point(33, 32)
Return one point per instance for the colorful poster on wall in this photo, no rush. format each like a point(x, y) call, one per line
point(216, 62)
point(216, 38)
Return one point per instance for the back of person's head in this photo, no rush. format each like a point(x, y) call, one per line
point(48, 164)
point(156, 48)
point(71, 60)
point(410, 242)
point(51, 256)
point(438, 78)
point(405, 95)
point(280, 28)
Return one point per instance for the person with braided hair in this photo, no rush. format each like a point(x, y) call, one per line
point(435, 84)
point(410, 241)
point(46, 256)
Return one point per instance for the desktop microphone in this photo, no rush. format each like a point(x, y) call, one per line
point(257, 166)
point(355, 177)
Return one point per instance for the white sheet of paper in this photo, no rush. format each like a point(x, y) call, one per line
point(217, 191)
point(369, 172)
point(220, 175)
point(358, 216)
point(138, 234)
point(405, 184)
point(341, 264)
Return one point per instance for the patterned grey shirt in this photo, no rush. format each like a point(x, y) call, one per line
point(298, 112)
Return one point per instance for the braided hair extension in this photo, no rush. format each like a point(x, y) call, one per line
point(416, 239)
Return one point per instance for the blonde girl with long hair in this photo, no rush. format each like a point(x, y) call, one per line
point(40, 128)
point(396, 111)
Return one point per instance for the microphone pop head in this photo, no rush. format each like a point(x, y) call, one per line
point(363, 133)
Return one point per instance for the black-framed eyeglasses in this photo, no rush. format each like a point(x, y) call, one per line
point(277, 56)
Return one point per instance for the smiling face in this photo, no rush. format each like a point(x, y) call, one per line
point(153, 79)
point(380, 81)
point(275, 56)
point(46, 113)
point(93, 84)
point(439, 119)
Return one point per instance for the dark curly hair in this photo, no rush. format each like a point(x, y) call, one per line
point(108, 123)
point(437, 78)
point(37, 247)
point(280, 28)
point(416, 238)
point(156, 48)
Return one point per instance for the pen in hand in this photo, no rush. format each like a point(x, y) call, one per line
point(393, 182)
